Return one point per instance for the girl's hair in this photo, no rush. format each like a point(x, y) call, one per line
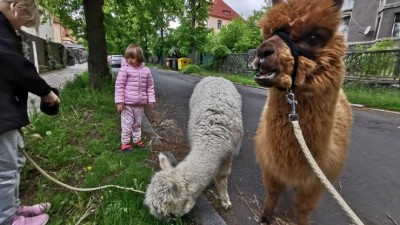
point(26, 10)
point(134, 51)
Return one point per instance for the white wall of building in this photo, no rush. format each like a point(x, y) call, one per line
point(45, 30)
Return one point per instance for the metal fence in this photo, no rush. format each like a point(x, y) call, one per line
point(379, 66)
point(383, 65)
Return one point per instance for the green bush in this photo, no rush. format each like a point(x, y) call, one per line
point(189, 69)
point(383, 44)
point(220, 51)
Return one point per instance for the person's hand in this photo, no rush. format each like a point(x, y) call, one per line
point(150, 105)
point(51, 99)
point(120, 107)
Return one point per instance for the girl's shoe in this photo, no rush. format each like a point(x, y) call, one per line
point(126, 147)
point(139, 144)
point(35, 220)
point(33, 210)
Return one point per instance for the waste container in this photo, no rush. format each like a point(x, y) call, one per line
point(182, 62)
point(168, 63)
point(174, 63)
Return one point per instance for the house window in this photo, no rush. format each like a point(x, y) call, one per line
point(226, 12)
point(344, 27)
point(396, 25)
point(377, 27)
point(219, 24)
point(348, 5)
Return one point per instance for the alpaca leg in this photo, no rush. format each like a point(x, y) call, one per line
point(275, 189)
point(306, 201)
point(221, 181)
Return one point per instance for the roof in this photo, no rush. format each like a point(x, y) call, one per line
point(222, 10)
point(73, 45)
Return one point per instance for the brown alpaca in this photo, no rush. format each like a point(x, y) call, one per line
point(310, 29)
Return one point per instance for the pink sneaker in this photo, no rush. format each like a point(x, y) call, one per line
point(126, 147)
point(36, 220)
point(33, 210)
point(139, 144)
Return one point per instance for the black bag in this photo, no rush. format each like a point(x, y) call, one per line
point(50, 110)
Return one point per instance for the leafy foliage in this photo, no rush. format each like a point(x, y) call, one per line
point(240, 36)
point(191, 36)
point(141, 22)
point(386, 43)
point(191, 69)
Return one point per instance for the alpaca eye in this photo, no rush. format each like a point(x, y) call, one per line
point(313, 40)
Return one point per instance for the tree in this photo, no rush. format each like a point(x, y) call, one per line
point(193, 33)
point(95, 34)
point(85, 22)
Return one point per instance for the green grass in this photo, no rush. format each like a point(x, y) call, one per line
point(381, 97)
point(80, 147)
point(237, 78)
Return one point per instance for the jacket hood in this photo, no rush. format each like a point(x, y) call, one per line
point(125, 63)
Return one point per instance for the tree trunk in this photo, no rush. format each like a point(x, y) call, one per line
point(95, 34)
point(193, 56)
point(160, 53)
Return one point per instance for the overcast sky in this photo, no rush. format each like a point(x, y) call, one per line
point(245, 8)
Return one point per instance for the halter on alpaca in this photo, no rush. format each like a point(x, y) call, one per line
point(295, 50)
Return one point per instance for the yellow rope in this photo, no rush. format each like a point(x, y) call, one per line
point(75, 188)
point(299, 135)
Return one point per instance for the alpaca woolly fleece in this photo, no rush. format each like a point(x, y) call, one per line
point(215, 131)
point(324, 113)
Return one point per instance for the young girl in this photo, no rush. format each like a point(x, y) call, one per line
point(18, 76)
point(134, 89)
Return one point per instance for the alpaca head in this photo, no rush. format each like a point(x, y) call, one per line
point(164, 197)
point(306, 30)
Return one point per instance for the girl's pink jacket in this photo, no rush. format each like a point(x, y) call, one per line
point(134, 85)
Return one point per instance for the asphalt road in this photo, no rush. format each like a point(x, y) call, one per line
point(370, 182)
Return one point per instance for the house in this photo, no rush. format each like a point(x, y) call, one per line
point(46, 28)
point(220, 14)
point(51, 45)
point(368, 21)
point(63, 34)
point(51, 29)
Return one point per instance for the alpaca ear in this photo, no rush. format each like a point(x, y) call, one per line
point(276, 2)
point(164, 162)
point(339, 4)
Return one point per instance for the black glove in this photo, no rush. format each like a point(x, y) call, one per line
point(46, 108)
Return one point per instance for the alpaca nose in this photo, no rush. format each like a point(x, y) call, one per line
point(265, 52)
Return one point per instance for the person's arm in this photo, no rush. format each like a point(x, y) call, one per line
point(23, 74)
point(120, 83)
point(150, 89)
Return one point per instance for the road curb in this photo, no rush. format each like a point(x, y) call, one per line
point(205, 214)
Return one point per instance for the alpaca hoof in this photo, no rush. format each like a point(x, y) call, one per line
point(227, 205)
point(264, 221)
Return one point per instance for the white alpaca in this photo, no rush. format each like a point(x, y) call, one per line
point(215, 133)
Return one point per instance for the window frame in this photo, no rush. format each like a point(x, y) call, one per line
point(396, 16)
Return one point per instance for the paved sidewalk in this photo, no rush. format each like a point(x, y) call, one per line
point(57, 79)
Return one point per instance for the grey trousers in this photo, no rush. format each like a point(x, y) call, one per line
point(11, 163)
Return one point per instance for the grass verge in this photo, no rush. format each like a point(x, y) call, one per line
point(80, 147)
point(381, 97)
